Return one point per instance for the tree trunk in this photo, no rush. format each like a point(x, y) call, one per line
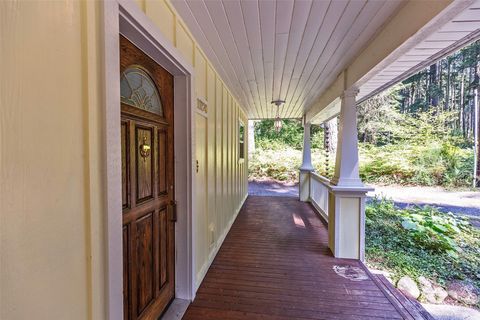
point(433, 86)
point(476, 179)
point(447, 94)
point(462, 105)
point(440, 83)
point(477, 125)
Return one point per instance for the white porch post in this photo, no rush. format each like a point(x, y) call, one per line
point(346, 216)
point(307, 167)
point(346, 163)
point(251, 136)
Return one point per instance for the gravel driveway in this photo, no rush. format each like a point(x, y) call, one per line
point(272, 188)
point(458, 202)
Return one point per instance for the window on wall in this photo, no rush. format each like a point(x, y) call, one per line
point(138, 89)
point(241, 140)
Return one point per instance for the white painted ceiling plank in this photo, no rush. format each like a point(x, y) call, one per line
point(236, 86)
point(344, 25)
point(227, 60)
point(236, 21)
point(251, 14)
point(283, 16)
point(281, 42)
point(447, 36)
point(267, 31)
point(332, 16)
point(312, 31)
point(460, 26)
point(283, 19)
point(359, 34)
point(294, 49)
point(386, 10)
point(211, 36)
point(468, 15)
point(301, 13)
point(222, 26)
point(269, 88)
point(335, 13)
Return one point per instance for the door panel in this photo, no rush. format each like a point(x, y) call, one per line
point(162, 160)
point(147, 184)
point(163, 246)
point(144, 162)
point(126, 272)
point(125, 169)
point(145, 261)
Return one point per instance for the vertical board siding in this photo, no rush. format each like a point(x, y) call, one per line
point(211, 158)
point(163, 17)
point(200, 75)
point(219, 162)
point(185, 42)
point(48, 210)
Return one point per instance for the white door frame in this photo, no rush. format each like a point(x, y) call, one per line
point(125, 17)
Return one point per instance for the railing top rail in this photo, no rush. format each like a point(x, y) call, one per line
point(320, 178)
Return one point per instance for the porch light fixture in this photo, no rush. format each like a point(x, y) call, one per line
point(278, 122)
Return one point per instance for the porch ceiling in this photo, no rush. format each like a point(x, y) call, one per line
point(268, 50)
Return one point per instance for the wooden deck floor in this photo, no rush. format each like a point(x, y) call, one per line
point(275, 264)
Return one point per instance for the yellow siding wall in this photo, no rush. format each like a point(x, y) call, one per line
point(52, 209)
point(46, 241)
point(226, 181)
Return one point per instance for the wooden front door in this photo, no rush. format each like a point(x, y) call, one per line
point(147, 184)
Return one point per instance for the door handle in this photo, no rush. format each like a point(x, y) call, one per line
point(198, 166)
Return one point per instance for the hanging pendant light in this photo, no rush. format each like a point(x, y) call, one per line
point(278, 122)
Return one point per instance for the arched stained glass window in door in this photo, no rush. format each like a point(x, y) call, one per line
point(138, 89)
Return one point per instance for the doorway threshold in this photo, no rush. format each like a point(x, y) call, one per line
point(176, 310)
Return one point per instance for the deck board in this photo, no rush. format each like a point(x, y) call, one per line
point(275, 264)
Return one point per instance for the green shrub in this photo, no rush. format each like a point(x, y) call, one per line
point(275, 164)
point(290, 136)
point(283, 164)
point(418, 151)
point(434, 163)
point(431, 163)
point(421, 242)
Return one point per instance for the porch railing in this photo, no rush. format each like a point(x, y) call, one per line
point(319, 191)
point(345, 218)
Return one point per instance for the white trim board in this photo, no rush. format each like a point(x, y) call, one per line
point(124, 17)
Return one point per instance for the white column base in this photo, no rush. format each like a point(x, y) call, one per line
point(304, 185)
point(346, 222)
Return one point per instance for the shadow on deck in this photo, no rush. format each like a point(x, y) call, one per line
point(275, 264)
